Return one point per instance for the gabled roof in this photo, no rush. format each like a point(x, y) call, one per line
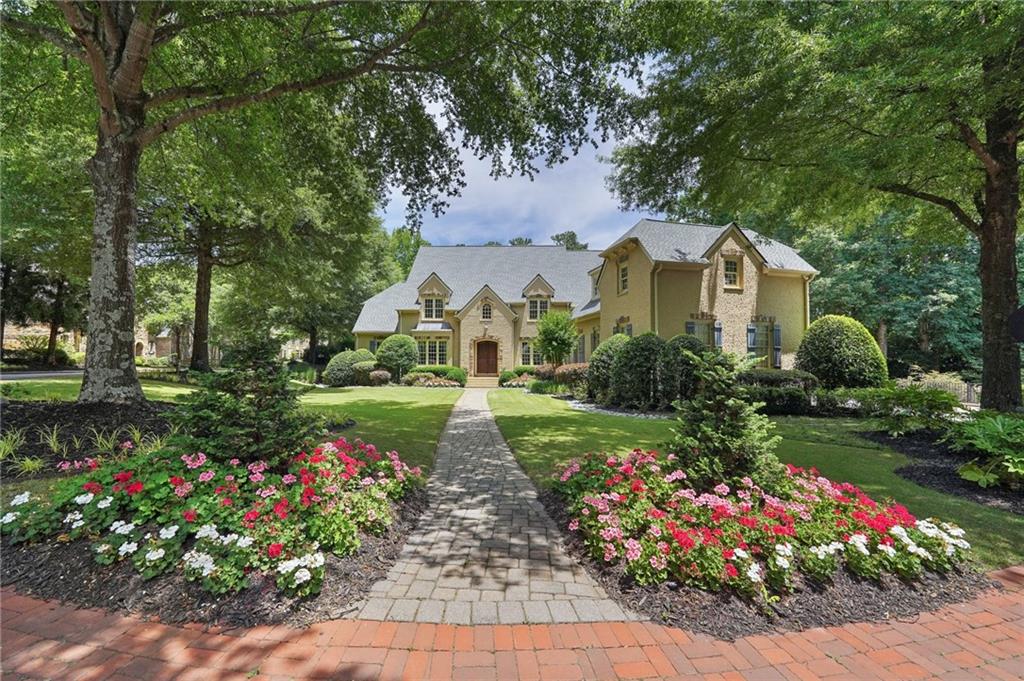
point(485, 292)
point(683, 242)
point(437, 282)
point(538, 283)
point(467, 269)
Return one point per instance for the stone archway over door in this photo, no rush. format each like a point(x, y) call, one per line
point(486, 358)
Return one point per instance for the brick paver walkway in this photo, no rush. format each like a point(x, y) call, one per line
point(980, 639)
point(485, 552)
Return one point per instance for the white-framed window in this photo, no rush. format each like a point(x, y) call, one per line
point(531, 356)
point(623, 274)
point(374, 344)
point(731, 270)
point(538, 307)
point(433, 351)
point(595, 339)
point(433, 308)
point(486, 312)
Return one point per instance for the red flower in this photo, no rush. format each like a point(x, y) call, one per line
point(123, 476)
point(226, 501)
point(728, 553)
point(637, 485)
point(134, 488)
point(274, 550)
point(93, 487)
point(176, 481)
point(730, 570)
point(189, 514)
point(251, 516)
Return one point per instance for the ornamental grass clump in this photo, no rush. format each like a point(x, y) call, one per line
point(640, 511)
point(222, 522)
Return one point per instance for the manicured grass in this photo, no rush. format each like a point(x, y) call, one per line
point(408, 420)
point(545, 433)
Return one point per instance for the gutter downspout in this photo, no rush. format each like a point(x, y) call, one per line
point(657, 269)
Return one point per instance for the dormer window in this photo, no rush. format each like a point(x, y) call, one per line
point(623, 273)
point(485, 312)
point(433, 308)
point(732, 273)
point(538, 307)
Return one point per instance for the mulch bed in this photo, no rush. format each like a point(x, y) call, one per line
point(935, 465)
point(67, 572)
point(725, 616)
point(77, 420)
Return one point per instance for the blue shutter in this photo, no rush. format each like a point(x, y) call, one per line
point(777, 346)
point(718, 334)
point(751, 338)
point(691, 328)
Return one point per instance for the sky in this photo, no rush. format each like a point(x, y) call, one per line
point(572, 195)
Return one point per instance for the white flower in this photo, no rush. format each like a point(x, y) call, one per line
point(302, 575)
point(782, 562)
point(127, 547)
point(312, 560)
point(72, 517)
point(228, 538)
point(244, 542)
point(919, 551)
point(207, 532)
point(121, 527)
point(104, 503)
point(900, 533)
point(887, 550)
point(287, 566)
point(9, 518)
point(784, 550)
point(198, 560)
point(21, 499)
point(168, 532)
point(754, 572)
point(740, 553)
point(78, 523)
point(953, 530)
point(928, 528)
point(102, 548)
point(83, 499)
point(860, 542)
point(155, 554)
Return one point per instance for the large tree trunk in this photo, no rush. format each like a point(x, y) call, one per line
point(882, 337)
point(5, 289)
point(204, 276)
point(56, 319)
point(1000, 354)
point(110, 374)
point(314, 342)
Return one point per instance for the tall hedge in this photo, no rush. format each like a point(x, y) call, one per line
point(676, 375)
point(339, 370)
point(635, 373)
point(398, 354)
point(599, 372)
point(842, 353)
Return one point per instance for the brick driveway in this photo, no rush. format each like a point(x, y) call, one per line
point(485, 552)
point(980, 639)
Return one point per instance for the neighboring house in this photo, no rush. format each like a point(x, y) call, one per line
point(477, 306)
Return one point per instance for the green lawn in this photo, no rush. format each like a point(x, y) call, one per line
point(408, 420)
point(545, 432)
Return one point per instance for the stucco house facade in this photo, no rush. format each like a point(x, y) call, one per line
point(477, 306)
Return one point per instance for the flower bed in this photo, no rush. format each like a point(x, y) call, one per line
point(638, 511)
point(223, 524)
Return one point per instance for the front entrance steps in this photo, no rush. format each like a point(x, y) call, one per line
point(482, 382)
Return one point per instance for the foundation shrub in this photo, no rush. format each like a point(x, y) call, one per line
point(506, 376)
point(599, 369)
point(545, 372)
point(524, 369)
point(541, 386)
point(398, 353)
point(380, 377)
point(675, 370)
point(340, 372)
point(414, 377)
point(361, 372)
point(842, 353)
point(446, 371)
point(635, 373)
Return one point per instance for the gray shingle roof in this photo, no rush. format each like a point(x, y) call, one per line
point(689, 243)
point(466, 269)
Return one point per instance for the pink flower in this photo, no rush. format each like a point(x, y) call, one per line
point(183, 490)
point(194, 461)
point(288, 479)
point(574, 524)
point(229, 478)
point(127, 444)
point(206, 476)
point(721, 489)
point(633, 549)
point(256, 477)
point(266, 491)
point(234, 462)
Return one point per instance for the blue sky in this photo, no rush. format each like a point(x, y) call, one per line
point(572, 195)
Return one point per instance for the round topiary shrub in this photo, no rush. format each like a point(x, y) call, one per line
point(635, 373)
point(380, 377)
point(339, 370)
point(361, 372)
point(599, 371)
point(842, 353)
point(398, 354)
point(675, 370)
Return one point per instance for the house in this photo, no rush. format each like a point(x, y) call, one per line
point(477, 306)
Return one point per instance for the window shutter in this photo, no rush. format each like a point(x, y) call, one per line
point(751, 338)
point(718, 334)
point(777, 346)
point(691, 328)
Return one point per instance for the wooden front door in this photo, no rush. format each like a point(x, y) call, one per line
point(486, 358)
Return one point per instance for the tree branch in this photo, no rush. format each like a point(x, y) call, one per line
point(55, 37)
point(968, 135)
point(169, 31)
point(96, 59)
point(229, 103)
point(137, 48)
point(949, 204)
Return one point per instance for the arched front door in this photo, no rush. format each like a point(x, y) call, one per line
point(486, 358)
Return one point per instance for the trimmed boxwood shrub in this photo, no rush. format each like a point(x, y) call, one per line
point(525, 369)
point(380, 377)
point(675, 370)
point(339, 371)
point(506, 376)
point(842, 353)
point(398, 354)
point(599, 370)
point(635, 373)
point(780, 378)
point(781, 400)
point(414, 377)
point(446, 371)
point(545, 387)
point(362, 371)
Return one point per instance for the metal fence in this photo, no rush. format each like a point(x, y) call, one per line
point(968, 393)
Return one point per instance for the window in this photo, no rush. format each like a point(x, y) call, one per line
point(732, 273)
point(531, 356)
point(374, 344)
point(623, 276)
point(433, 308)
point(580, 354)
point(595, 339)
point(629, 330)
point(538, 308)
point(433, 351)
point(485, 312)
